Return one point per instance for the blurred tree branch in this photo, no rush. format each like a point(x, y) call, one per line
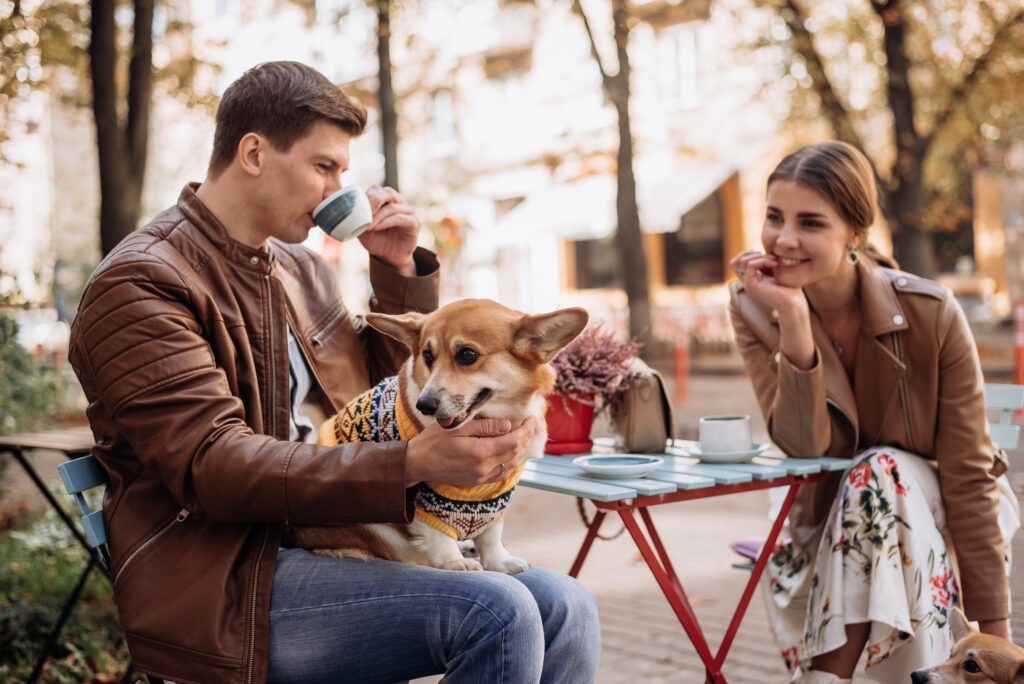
point(919, 102)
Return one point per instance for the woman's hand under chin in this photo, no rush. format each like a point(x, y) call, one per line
point(756, 271)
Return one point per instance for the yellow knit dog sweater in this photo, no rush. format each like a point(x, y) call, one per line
point(381, 415)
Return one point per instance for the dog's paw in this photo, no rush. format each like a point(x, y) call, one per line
point(510, 565)
point(463, 564)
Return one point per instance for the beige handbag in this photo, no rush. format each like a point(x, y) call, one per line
point(643, 418)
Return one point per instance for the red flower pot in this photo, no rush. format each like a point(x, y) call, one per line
point(569, 423)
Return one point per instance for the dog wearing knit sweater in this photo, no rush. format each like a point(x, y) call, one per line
point(470, 359)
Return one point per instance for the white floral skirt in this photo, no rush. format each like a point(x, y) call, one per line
point(880, 557)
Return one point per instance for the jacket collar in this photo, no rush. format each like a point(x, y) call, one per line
point(203, 219)
point(880, 309)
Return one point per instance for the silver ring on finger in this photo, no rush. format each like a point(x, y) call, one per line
point(502, 471)
point(742, 272)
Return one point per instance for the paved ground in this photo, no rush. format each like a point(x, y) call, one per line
point(642, 640)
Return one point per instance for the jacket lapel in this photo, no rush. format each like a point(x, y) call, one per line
point(880, 368)
point(837, 383)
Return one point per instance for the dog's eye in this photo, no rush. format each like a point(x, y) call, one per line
point(971, 666)
point(466, 356)
point(428, 357)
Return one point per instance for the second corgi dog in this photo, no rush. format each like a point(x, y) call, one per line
point(470, 359)
point(976, 659)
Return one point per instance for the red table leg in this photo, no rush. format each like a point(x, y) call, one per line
point(592, 531)
point(656, 540)
point(676, 597)
point(755, 575)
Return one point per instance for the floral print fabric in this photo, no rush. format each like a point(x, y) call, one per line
point(880, 557)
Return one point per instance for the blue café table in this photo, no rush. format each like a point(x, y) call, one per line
point(680, 478)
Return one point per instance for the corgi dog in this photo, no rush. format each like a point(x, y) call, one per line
point(976, 659)
point(469, 359)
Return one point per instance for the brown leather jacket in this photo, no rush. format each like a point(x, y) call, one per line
point(180, 344)
point(917, 386)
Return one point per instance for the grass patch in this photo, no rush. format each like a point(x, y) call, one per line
point(40, 563)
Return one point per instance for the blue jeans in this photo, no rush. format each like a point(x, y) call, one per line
point(350, 620)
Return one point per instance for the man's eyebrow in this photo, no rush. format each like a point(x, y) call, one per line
point(330, 160)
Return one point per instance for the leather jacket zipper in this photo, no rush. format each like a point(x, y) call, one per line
point(318, 338)
point(907, 423)
point(271, 413)
point(179, 518)
point(252, 613)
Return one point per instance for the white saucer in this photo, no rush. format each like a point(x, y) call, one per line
point(617, 466)
point(726, 456)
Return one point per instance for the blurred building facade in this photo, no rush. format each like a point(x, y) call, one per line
point(507, 145)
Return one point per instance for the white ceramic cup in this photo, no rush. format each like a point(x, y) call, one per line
point(724, 434)
point(345, 213)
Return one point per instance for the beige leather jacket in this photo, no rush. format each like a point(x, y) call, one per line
point(180, 344)
point(917, 386)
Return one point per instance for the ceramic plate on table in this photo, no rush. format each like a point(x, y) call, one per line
point(726, 456)
point(617, 466)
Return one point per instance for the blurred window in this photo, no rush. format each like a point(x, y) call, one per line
point(679, 67)
point(596, 263)
point(694, 253)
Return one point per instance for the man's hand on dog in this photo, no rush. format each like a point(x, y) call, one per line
point(393, 233)
point(480, 451)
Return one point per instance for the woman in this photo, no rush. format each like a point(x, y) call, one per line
point(853, 359)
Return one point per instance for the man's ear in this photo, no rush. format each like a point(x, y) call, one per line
point(958, 624)
point(403, 327)
point(251, 153)
point(544, 335)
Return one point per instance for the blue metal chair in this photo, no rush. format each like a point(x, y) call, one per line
point(79, 476)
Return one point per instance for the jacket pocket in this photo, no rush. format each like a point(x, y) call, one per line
point(150, 541)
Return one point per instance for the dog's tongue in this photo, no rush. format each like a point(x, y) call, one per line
point(445, 422)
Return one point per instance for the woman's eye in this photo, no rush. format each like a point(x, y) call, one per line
point(466, 356)
point(773, 218)
point(971, 666)
point(814, 224)
point(428, 357)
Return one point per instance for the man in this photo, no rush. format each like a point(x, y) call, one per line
point(205, 342)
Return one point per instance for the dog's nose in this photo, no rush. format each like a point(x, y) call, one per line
point(427, 404)
point(919, 677)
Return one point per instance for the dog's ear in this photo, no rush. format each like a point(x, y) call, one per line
point(403, 327)
point(544, 335)
point(958, 624)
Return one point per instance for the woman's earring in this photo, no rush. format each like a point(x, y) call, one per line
point(852, 255)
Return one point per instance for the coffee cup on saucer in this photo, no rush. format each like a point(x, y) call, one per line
point(724, 434)
point(345, 213)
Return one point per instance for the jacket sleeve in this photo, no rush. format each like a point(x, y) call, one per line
point(967, 476)
point(394, 293)
point(137, 346)
point(792, 401)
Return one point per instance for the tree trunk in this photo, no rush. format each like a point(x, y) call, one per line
point(388, 114)
point(904, 198)
point(629, 240)
point(121, 148)
point(911, 246)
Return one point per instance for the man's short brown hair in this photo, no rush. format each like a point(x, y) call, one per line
point(279, 100)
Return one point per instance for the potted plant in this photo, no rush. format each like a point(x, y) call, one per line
point(592, 374)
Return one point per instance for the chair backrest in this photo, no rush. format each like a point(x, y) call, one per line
point(1006, 399)
point(79, 476)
